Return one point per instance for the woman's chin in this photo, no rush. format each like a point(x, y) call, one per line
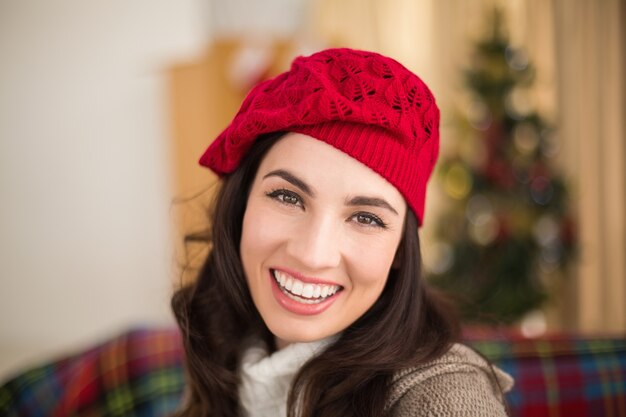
point(285, 337)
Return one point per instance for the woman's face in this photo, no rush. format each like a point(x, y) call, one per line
point(320, 233)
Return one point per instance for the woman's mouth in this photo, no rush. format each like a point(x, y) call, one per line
point(303, 292)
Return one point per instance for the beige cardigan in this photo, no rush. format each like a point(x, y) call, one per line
point(460, 383)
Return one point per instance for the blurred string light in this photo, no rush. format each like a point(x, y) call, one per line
point(550, 258)
point(479, 115)
point(546, 232)
point(438, 257)
point(541, 190)
point(458, 181)
point(482, 221)
point(534, 324)
point(525, 138)
point(485, 232)
point(518, 103)
point(550, 145)
point(516, 58)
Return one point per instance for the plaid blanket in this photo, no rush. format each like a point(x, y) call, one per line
point(136, 374)
point(561, 376)
point(139, 373)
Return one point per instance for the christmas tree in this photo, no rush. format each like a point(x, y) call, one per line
point(506, 233)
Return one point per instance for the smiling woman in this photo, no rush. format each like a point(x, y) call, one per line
point(311, 301)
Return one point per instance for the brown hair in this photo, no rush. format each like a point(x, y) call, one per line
point(408, 325)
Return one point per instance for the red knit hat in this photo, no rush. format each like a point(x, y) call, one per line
point(362, 103)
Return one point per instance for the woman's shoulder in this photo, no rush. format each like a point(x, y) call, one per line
point(459, 383)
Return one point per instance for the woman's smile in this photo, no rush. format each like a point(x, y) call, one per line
point(320, 233)
point(303, 290)
point(301, 296)
point(300, 305)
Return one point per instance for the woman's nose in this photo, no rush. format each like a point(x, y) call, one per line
point(316, 243)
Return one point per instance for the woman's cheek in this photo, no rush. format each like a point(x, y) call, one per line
point(265, 225)
point(376, 248)
point(369, 264)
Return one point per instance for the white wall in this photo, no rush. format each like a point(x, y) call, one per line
point(84, 176)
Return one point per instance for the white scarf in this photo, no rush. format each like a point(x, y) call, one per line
point(266, 379)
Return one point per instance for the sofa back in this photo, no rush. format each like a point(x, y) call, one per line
point(140, 373)
point(560, 375)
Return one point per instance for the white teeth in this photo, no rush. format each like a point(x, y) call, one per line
point(303, 292)
point(303, 300)
point(324, 291)
point(318, 291)
point(297, 287)
point(308, 291)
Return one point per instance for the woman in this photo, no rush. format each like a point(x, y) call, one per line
point(311, 301)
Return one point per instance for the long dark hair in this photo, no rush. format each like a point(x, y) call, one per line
point(407, 326)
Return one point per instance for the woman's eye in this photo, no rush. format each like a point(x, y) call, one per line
point(286, 197)
point(368, 219)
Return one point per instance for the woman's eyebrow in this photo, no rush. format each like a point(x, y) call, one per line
point(371, 201)
point(354, 201)
point(291, 178)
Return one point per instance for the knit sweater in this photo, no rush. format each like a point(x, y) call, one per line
point(460, 383)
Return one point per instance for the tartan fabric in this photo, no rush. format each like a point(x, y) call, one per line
point(561, 376)
point(139, 373)
point(136, 374)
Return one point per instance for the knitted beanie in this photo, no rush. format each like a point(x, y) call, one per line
point(362, 103)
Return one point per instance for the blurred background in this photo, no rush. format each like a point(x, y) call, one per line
point(105, 108)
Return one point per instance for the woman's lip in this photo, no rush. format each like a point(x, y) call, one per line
point(305, 279)
point(296, 307)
